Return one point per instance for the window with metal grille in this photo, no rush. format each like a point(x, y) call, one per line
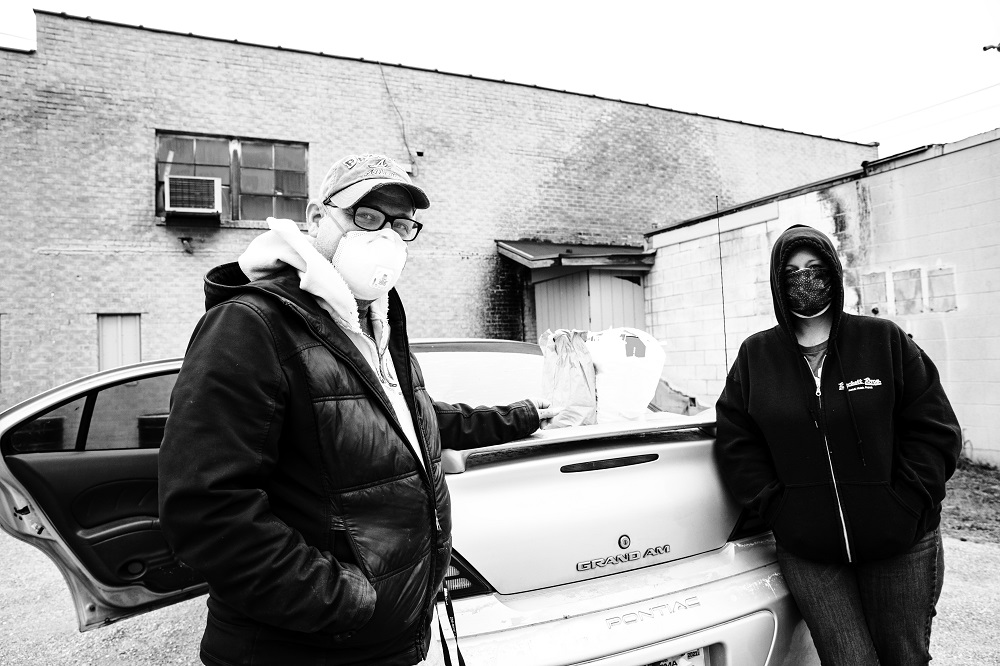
point(260, 179)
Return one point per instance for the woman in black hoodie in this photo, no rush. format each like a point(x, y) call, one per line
point(835, 428)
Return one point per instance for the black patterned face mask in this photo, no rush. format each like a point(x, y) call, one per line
point(808, 291)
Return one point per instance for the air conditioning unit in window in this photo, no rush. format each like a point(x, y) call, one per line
point(192, 195)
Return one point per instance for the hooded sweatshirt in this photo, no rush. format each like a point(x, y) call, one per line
point(849, 469)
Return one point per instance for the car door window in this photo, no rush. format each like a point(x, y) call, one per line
point(130, 415)
point(55, 430)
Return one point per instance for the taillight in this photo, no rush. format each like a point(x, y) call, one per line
point(463, 581)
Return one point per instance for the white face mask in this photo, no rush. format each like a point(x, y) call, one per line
point(370, 262)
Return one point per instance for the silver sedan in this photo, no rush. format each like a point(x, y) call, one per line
point(611, 544)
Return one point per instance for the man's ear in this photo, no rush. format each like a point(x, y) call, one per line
point(314, 213)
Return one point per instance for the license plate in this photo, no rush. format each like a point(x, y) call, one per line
point(689, 658)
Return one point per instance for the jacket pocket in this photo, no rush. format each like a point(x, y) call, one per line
point(806, 522)
point(910, 493)
point(400, 599)
point(770, 505)
point(880, 521)
point(366, 600)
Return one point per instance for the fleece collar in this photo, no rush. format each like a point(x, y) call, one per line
point(285, 245)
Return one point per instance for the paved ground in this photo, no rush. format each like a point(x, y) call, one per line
point(38, 624)
point(968, 622)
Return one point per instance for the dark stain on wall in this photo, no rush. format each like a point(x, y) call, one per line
point(863, 232)
point(647, 170)
point(503, 310)
point(846, 240)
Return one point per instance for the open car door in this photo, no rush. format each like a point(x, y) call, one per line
point(78, 471)
point(78, 480)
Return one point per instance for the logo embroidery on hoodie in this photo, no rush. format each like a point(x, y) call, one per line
point(865, 384)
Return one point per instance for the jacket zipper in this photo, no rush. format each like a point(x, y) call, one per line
point(431, 591)
point(384, 376)
point(432, 496)
point(428, 472)
point(829, 460)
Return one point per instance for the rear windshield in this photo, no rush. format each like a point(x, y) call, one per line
point(481, 377)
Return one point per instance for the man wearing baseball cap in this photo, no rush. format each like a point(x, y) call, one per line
point(300, 471)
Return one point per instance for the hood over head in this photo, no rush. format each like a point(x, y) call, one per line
point(791, 239)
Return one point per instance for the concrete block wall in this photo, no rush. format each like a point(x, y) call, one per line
point(80, 237)
point(701, 302)
point(920, 242)
point(940, 217)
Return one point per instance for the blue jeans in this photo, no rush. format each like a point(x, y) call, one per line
point(874, 613)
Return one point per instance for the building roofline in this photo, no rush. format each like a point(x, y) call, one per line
point(90, 19)
point(868, 168)
point(771, 198)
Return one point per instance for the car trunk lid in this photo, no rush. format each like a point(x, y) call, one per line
point(589, 501)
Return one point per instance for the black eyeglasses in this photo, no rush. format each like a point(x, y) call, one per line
point(372, 219)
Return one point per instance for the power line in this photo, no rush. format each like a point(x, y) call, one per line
point(722, 283)
point(910, 113)
point(939, 122)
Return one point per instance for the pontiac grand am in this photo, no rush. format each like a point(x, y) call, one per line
point(612, 544)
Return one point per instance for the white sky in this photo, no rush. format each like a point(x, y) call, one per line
point(901, 72)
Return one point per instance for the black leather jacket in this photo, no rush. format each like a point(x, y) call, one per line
point(286, 481)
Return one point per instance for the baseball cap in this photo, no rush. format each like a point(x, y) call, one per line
point(354, 176)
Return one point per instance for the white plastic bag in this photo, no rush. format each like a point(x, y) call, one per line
point(628, 364)
point(568, 377)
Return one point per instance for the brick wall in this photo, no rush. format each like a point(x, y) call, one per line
point(78, 123)
point(919, 238)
